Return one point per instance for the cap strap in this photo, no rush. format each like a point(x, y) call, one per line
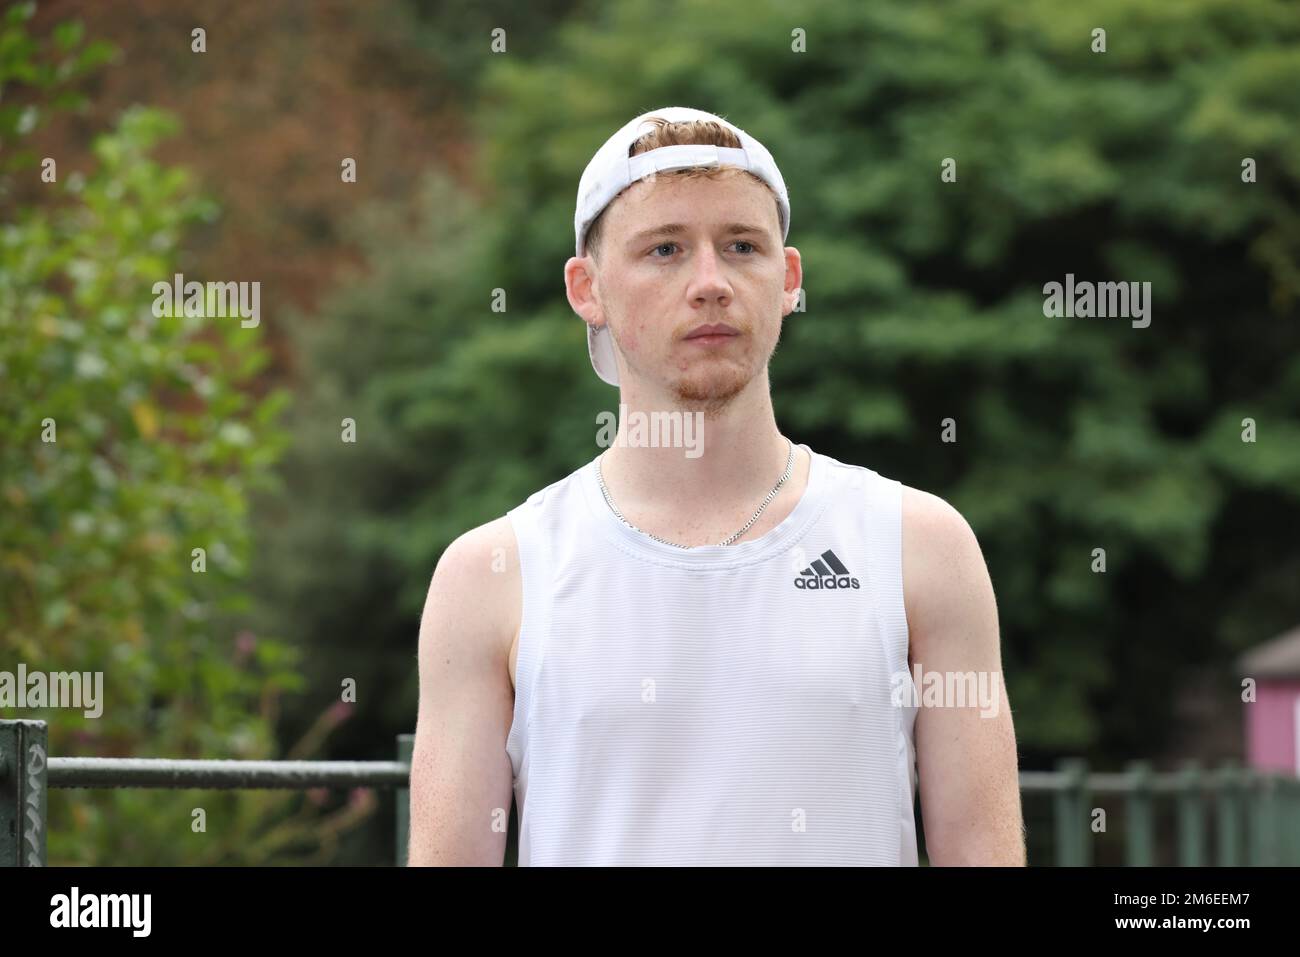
point(683, 156)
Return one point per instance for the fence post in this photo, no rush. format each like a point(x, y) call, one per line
point(1251, 783)
point(1263, 820)
point(1285, 830)
point(1292, 823)
point(1140, 837)
point(1191, 817)
point(1293, 817)
point(23, 779)
point(405, 748)
point(1071, 801)
point(1228, 816)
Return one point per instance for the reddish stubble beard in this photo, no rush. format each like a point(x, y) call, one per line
point(706, 382)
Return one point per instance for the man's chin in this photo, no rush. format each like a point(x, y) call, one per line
point(712, 389)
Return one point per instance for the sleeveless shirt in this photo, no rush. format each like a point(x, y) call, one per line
point(718, 705)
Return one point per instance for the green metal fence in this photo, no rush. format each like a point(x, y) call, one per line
point(27, 772)
point(1227, 816)
point(1245, 817)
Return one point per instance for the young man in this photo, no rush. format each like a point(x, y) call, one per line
point(705, 652)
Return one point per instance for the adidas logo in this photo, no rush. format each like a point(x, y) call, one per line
point(826, 572)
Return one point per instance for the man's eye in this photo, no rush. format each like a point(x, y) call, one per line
point(740, 242)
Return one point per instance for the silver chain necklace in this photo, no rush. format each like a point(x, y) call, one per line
point(789, 467)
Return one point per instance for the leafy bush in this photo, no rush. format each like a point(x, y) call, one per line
point(127, 440)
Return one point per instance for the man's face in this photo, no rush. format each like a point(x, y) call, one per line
point(678, 253)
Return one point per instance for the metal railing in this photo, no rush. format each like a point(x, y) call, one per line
point(27, 772)
point(1256, 817)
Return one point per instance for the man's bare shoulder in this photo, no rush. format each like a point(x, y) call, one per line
point(492, 541)
point(932, 523)
point(476, 586)
point(942, 560)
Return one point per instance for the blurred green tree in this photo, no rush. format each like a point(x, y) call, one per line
point(924, 301)
point(127, 441)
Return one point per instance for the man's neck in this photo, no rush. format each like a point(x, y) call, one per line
point(702, 494)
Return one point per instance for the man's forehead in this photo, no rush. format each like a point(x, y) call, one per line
point(665, 204)
point(732, 228)
point(735, 185)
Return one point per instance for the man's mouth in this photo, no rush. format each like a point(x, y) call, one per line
point(711, 333)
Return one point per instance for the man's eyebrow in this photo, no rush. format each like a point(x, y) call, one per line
point(676, 229)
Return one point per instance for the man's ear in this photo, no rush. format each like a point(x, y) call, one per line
point(793, 279)
point(579, 286)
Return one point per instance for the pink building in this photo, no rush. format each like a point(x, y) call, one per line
point(1273, 718)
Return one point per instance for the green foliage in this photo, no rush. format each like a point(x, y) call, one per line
point(126, 441)
point(924, 302)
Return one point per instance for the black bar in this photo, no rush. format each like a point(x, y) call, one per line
point(836, 565)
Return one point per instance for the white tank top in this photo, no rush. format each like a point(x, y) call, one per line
point(715, 705)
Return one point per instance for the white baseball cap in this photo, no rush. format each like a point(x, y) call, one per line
point(611, 171)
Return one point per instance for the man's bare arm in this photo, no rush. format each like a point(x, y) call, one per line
point(966, 760)
point(461, 778)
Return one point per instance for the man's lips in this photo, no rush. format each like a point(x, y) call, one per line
point(716, 330)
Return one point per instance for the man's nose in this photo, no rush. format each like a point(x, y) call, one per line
point(708, 281)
